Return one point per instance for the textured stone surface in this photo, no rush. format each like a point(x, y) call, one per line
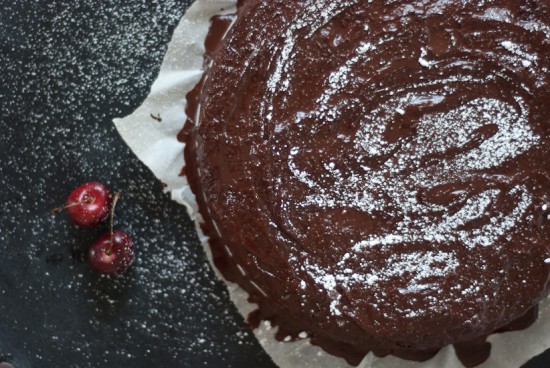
point(68, 68)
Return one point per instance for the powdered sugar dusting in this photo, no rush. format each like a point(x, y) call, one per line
point(316, 15)
point(436, 133)
point(423, 271)
point(447, 151)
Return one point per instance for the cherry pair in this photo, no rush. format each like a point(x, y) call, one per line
point(88, 206)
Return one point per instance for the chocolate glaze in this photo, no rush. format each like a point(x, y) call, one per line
point(375, 174)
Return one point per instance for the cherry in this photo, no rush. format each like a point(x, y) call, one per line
point(114, 251)
point(88, 205)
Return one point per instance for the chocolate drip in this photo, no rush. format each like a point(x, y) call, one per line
point(473, 352)
point(521, 322)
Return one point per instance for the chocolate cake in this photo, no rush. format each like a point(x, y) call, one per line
point(376, 174)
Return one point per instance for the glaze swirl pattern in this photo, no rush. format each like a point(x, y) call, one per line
point(376, 171)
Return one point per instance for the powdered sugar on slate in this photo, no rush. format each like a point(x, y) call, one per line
point(69, 68)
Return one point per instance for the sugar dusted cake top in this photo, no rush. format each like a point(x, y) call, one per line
point(376, 173)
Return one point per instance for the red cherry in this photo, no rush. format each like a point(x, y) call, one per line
point(112, 253)
point(88, 205)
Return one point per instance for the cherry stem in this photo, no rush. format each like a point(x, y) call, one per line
point(86, 200)
point(116, 197)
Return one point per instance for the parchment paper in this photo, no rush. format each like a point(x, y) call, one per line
point(155, 144)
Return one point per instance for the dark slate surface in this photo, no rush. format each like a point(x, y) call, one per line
point(67, 68)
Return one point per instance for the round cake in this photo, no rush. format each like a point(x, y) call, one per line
point(376, 174)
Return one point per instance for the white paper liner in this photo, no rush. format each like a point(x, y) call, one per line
point(156, 145)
